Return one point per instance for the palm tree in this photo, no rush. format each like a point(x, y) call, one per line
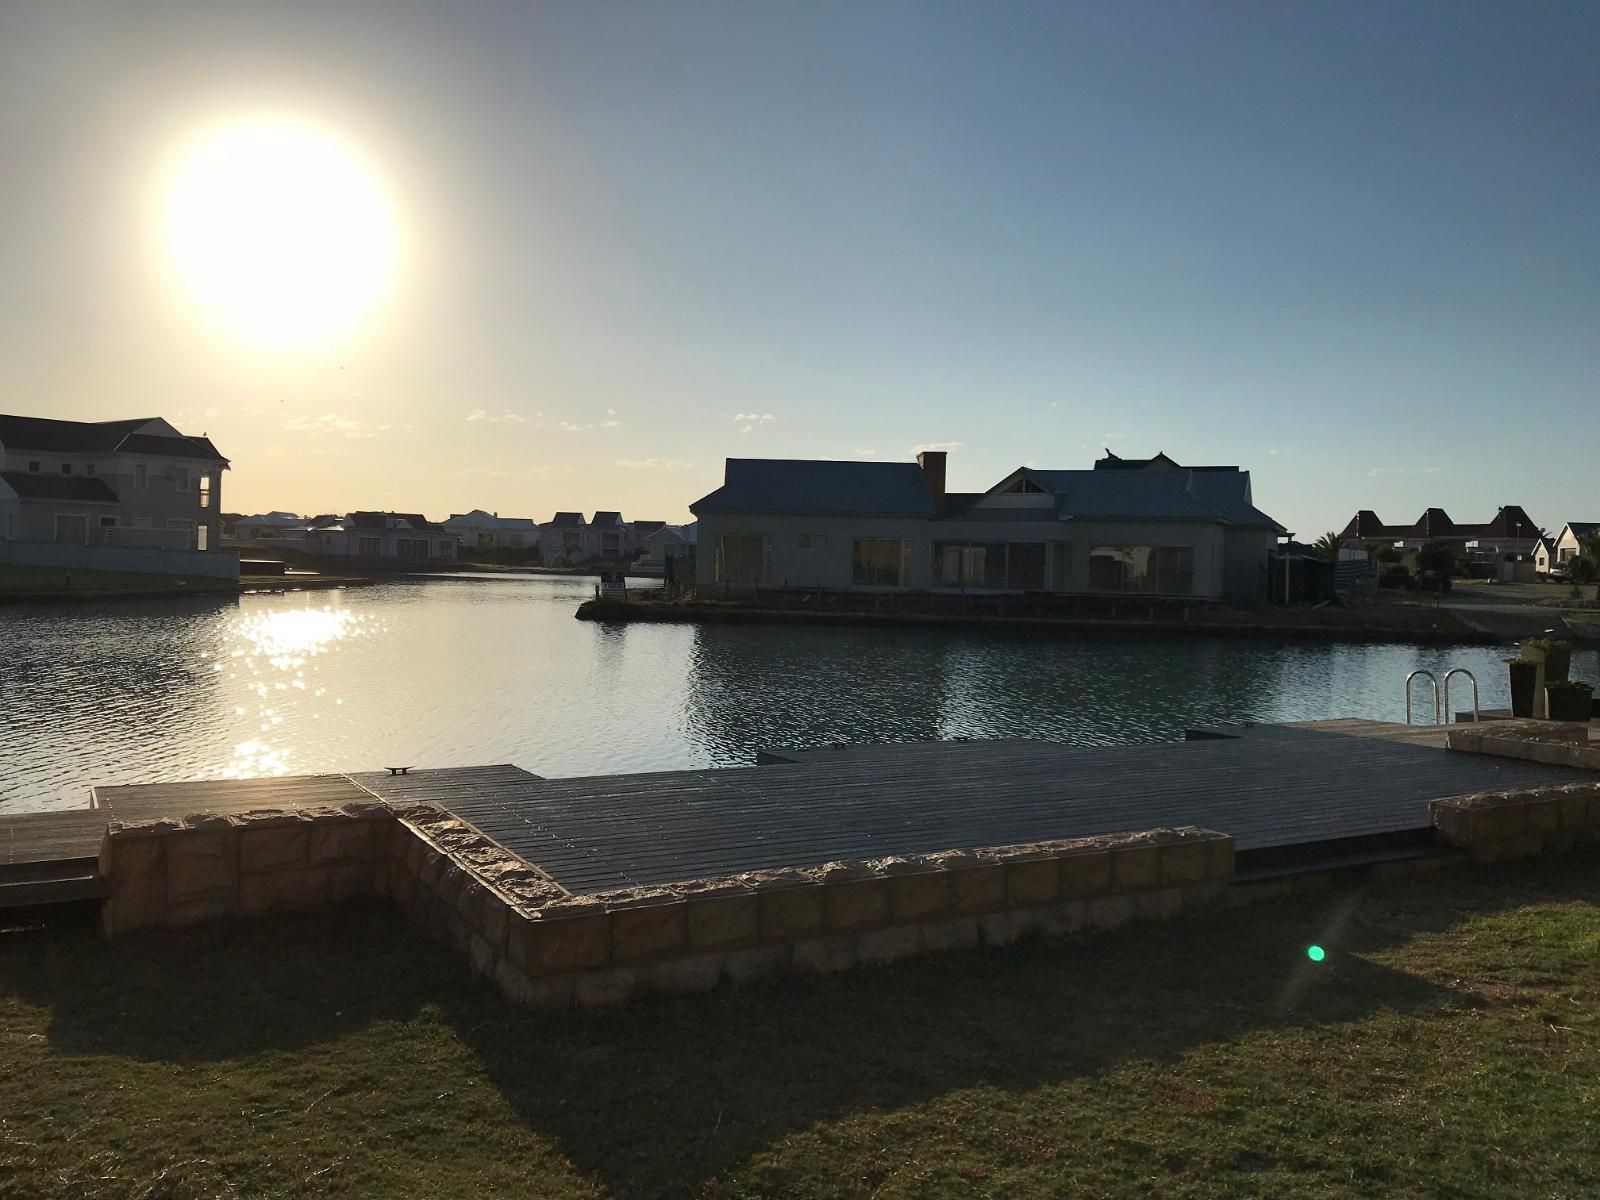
point(1328, 545)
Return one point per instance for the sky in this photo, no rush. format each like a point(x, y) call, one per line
point(1351, 247)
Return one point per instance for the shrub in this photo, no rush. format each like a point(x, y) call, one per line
point(1395, 576)
point(1388, 554)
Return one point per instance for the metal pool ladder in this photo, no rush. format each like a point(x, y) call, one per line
point(1434, 684)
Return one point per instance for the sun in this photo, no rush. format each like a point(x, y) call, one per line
point(279, 233)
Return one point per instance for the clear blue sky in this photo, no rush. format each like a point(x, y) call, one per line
point(1352, 247)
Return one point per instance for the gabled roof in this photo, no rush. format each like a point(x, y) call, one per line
point(1175, 494)
point(607, 518)
point(1511, 521)
point(819, 486)
point(573, 519)
point(1581, 529)
point(1161, 462)
point(29, 486)
point(101, 437)
point(404, 522)
point(646, 528)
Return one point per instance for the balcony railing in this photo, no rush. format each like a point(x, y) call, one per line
point(143, 539)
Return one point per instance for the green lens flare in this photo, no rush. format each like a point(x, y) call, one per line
point(1316, 953)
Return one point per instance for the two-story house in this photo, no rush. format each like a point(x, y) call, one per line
point(481, 530)
point(565, 538)
point(115, 485)
point(382, 535)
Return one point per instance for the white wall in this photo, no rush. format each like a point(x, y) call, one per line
point(217, 564)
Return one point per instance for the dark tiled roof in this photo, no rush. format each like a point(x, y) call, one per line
point(1177, 494)
point(99, 437)
point(1583, 529)
point(567, 518)
point(79, 437)
point(607, 518)
point(367, 519)
point(59, 487)
point(1512, 521)
point(1161, 461)
point(815, 486)
point(646, 528)
point(184, 447)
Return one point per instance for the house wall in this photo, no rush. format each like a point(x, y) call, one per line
point(1567, 546)
point(1245, 553)
point(347, 543)
point(218, 564)
point(552, 547)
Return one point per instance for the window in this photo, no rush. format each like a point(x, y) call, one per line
point(72, 528)
point(878, 562)
point(88, 468)
point(180, 479)
point(447, 549)
point(66, 468)
point(811, 542)
point(1150, 570)
point(202, 537)
point(108, 522)
point(141, 475)
point(570, 539)
point(412, 547)
point(741, 558)
point(369, 547)
point(1016, 566)
point(205, 491)
point(34, 467)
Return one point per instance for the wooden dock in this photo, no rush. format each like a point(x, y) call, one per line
point(1275, 788)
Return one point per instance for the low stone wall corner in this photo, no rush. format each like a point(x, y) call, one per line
point(1555, 743)
point(1498, 825)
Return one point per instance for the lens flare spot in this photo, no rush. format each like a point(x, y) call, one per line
point(1316, 953)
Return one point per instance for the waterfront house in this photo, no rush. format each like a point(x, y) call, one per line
point(266, 527)
point(134, 495)
point(565, 538)
point(609, 535)
point(1568, 545)
point(1129, 526)
point(1511, 532)
point(663, 543)
point(481, 530)
point(404, 537)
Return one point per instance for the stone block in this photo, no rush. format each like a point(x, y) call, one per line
point(721, 912)
point(1452, 822)
point(493, 917)
point(680, 976)
point(1508, 818)
point(1135, 866)
point(194, 910)
point(282, 891)
point(977, 888)
point(919, 894)
point(1033, 881)
point(1543, 816)
point(1063, 918)
point(343, 840)
point(1003, 928)
point(1184, 862)
point(198, 863)
point(954, 933)
point(887, 945)
point(1108, 912)
point(1085, 873)
point(402, 887)
point(127, 854)
point(453, 879)
point(856, 903)
point(1159, 904)
point(481, 954)
point(790, 912)
point(351, 881)
point(605, 988)
point(275, 846)
point(751, 963)
point(660, 926)
point(543, 943)
point(824, 955)
point(1220, 857)
point(554, 991)
point(1574, 810)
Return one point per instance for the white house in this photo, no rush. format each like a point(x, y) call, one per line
point(268, 527)
point(112, 486)
point(565, 539)
point(1130, 526)
point(1544, 555)
point(481, 530)
point(666, 542)
point(1569, 544)
point(609, 536)
point(408, 537)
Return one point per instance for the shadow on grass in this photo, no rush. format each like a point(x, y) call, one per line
point(665, 1094)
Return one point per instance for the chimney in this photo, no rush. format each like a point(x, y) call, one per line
point(932, 464)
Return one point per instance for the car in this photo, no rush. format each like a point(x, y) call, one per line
point(1561, 573)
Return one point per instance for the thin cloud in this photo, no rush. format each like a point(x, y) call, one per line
point(947, 447)
point(332, 425)
point(654, 464)
point(860, 453)
point(483, 414)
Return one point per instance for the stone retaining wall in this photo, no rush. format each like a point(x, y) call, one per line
point(544, 946)
point(1498, 825)
point(1558, 743)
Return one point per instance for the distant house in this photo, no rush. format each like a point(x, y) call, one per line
point(124, 486)
point(610, 535)
point(1130, 526)
point(1544, 556)
point(1568, 545)
point(266, 527)
point(565, 539)
point(1509, 543)
point(407, 537)
point(663, 543)
point(481, 530)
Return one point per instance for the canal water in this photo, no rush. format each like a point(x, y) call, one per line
point(449, 672)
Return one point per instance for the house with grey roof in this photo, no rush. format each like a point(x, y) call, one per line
point(481, 530)
point(392, 536)
point(565, 538)
point(1128, 527)
point(1568, 544)
point(124, 486)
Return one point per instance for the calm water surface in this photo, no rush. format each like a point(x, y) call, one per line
point(449, 672)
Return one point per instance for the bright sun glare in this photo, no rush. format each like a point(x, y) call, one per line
point(279, 233)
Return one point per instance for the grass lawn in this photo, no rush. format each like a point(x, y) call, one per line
point(1448, 1046)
